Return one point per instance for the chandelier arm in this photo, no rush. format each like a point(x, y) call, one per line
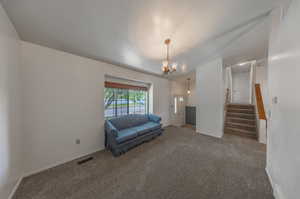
point(168, 58)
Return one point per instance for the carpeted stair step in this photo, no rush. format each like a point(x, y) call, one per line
point(246, 127)
point(236, 110)
point(239, 132)
point(240, 106)
point(241, 120)
point(241, 115)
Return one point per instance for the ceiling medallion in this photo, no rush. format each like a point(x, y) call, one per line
point(167, 66)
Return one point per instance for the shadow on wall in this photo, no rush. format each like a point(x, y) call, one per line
point(9, 131)
point(10, 149)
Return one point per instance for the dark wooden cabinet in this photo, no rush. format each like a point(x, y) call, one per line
point(190, 115)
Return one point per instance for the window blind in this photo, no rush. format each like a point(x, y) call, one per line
point(124, 86)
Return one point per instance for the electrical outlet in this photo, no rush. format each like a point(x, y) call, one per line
point(77, 141)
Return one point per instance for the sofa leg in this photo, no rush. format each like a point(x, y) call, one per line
point(116, 153)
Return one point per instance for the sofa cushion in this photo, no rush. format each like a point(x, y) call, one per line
point(147, 127)
point(128, 121)
point(131, 133)
point(154, 118)
point(126, 134)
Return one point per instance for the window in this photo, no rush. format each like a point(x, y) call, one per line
point(122, 99)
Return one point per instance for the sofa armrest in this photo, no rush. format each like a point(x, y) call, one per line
point(154, 118)
point(110, 129)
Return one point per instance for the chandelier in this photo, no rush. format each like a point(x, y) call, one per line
point(167, 66)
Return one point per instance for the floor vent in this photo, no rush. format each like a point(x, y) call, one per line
point(85, 160)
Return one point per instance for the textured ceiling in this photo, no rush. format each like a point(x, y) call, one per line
point(131, 32)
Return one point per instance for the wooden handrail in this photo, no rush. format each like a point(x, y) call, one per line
point(260, 103)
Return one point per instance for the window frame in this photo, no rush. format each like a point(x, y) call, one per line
point(125, 88)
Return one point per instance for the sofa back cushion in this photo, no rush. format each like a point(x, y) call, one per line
point(128, 121)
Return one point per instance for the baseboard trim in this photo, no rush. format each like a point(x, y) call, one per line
point(277, 192)
point(27, 174)
point(12, 193)
point(209, 134)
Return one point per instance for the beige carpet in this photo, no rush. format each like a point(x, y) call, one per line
point(180, 164)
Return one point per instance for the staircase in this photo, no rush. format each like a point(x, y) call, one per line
point(241, 120)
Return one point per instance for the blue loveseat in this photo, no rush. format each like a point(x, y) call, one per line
point(125, 132)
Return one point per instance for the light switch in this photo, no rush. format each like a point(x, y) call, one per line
point(77, 141)
point(275, 100)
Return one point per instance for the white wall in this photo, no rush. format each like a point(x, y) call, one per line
point(210, 98)
point(283, 147)
point(241, 88)
point(192, 97)
point(63, 101)
point(10, 134)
